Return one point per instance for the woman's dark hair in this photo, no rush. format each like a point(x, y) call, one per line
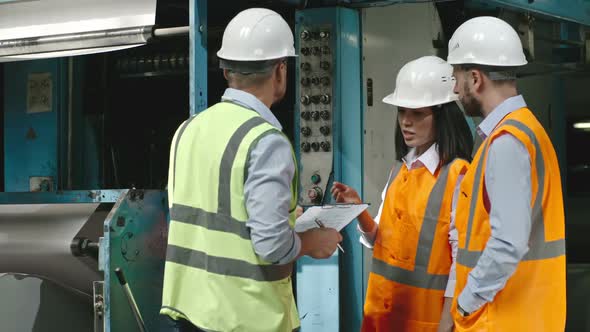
point(452, 135)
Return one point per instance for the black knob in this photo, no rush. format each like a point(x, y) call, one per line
point(325, 115)
point(325, 80)
point(325, 146)
point(325, 65)
point(325, 130)
point(305, 81)
point(316, 51)
point(315, 115)
point(315, 146)
point(305, 147)
point(305, 66)
point(315, 80)
point(305, 115)
point(325, 99)
point(324, 34)
point(305, 100)
point(315, 99)
point(305, 131)
point(305, 51)
point(305, 35)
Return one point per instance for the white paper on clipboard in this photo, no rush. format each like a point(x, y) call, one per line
point(332, 216)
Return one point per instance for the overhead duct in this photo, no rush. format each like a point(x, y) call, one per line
point(55, 28)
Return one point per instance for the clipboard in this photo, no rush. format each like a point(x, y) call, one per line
point(335, 216)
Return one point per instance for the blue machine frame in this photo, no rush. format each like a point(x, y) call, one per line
point(330, 292)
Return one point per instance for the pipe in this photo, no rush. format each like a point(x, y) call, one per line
point(76, 41)
point(171, 32)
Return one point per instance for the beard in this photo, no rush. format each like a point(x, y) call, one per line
point(471, 105)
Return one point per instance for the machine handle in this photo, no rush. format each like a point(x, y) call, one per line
point(120, 276)
point(130, 299)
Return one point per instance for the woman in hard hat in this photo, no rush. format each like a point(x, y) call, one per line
point(409, 286)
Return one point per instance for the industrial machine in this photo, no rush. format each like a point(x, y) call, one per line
point(84, 118)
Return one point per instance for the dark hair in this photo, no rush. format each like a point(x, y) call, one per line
point(498, 75)
point(452, 135)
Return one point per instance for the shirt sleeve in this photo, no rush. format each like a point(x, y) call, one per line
point(453, 241)
point(508, 185)
point(267, 191)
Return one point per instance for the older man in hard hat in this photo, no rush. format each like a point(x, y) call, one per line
point(510, 218)
point(233, 194)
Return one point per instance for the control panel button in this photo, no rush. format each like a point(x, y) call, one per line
point(305, 131)
point(305, 115)
point(305, 147)
point(325, 146)
point(315, 146)
point(325, 65)
point(325, 115)
point(305, 35)
point(315, 115)
point(325, 99)
point(305, 81)
point(305, 66)
point(316, 178)
point(315, 195)
point(325, 130)
point(305, 100)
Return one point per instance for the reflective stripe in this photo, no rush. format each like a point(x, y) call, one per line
point(430, 220)
point(226, 266)
point(419, 277)
point(538, 248)
point(397, 166)
point(209, 220)
point(227, 163)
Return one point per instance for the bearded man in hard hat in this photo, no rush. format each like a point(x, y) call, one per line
point(233, 194)
point(510, 217)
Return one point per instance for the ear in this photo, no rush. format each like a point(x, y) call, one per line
point(278, 72)
point(477, 79)
point(225, 74)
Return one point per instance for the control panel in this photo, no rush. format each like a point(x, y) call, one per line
point(316, 77)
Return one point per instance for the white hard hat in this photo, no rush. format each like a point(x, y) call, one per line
point(486, 40)
point(424, 82)
point(257, 34)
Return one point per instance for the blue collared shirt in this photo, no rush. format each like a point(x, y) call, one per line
point(267, 188)
point(508, 185)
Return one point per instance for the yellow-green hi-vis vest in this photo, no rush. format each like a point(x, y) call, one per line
point(213, 277)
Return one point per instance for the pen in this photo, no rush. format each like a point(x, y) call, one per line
point(321, 225)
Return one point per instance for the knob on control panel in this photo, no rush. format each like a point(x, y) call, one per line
point(305, 81)
point(305, 115)
point(325, 65)
point(325, 146)
point(305, 66)
point(305, 147)
point(315, 195)
point(325, 130)
point(305, 35)
point(305, 100)
point(315, 115)
point(325, 99)
point(315, 146)
point(305, 131)
point(325, 115)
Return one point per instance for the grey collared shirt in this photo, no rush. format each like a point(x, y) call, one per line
point(267, 188)
point(508, 185)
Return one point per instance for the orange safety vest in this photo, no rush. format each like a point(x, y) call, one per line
point(412, 255)
point(534, 297)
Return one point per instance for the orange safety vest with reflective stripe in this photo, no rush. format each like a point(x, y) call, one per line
point(534, 298)
point(412, 255)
